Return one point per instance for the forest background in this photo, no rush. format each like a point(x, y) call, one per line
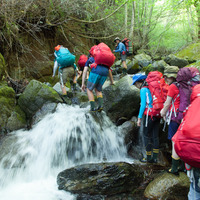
point(160, 26)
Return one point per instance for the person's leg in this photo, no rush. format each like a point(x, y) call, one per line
point(147, 138)
point(62, 84)
point(99, 100)
point(173, 126)
point(91, 84)
point(98, 89)
point(155, 138)
point(194, 192)
point(91, 99)
point(175, 161)
point(123, 59)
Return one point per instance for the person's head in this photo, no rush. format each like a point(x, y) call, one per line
point(170, 74)
point(117, 40)
point(138, 80)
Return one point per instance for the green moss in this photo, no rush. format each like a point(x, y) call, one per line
point(192, 52)
point(20, 115)
point(6, 91)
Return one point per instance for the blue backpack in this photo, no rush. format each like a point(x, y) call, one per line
point(64, 58)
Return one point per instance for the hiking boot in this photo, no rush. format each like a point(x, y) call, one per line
point(100, 108)
point(143, 160)
point(93, 110)
point(173, 172)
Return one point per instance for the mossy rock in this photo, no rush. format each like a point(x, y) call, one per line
point(35, 96)
point(191, 53)
point(17, 120)
point(7, 104)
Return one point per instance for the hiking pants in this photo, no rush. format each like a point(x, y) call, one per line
point(151, 133)
point(194, 192)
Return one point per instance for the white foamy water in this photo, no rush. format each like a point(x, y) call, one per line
point(31, 160)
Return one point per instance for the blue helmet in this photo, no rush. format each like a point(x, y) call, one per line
point(138, 77)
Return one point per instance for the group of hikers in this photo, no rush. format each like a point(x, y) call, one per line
point(99, 61)
point(175, 97)
point(164, 96)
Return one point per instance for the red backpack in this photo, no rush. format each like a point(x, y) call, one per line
point(129, 46)
point(82, 60)
point(103, 56)
point(158, 89)
point(187, 137)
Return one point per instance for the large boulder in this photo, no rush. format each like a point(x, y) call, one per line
point(35, 96)
point(143, 59)
point(17, 120)
point(133, 67)
point(175, 61)
point(7, 104)
point(190, 53)
point(168, 186)
point(2, 66)
point(121, 99)
point(100, 178)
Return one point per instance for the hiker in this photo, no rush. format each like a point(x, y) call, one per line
point(186, 142)
point(120, 47)
point(97, 77)
point(150, 123)
point(65, 61)
point(81, 63)
point(170, 112)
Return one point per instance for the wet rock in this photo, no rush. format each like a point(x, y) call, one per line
point(100, 178)
point(133, 67)
point(46, 109)
point(121, 99)
point(35, 96)
point(166, 186)
point(175, 61)
point(7, 104)
point(143, 60)
point(17, 120)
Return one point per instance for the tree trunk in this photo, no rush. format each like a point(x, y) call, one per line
point(197, 6)
point(131, 33)
point(190, 23)
point(126, 17)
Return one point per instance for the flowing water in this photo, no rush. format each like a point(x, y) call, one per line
point(31, 160)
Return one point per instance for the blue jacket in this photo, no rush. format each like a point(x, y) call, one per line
point(120, 47)
point(146, 100)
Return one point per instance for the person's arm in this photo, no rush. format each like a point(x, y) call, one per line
point(55, 67)
point(119, 49)
point(83, 78)
point(111, 77)
point(142, 105)
point(166, 107)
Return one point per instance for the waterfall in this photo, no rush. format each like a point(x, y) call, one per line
point(31, 159)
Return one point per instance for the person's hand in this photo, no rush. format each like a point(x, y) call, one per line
point(83, 88)
point(162, 113)
point(139, 122)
